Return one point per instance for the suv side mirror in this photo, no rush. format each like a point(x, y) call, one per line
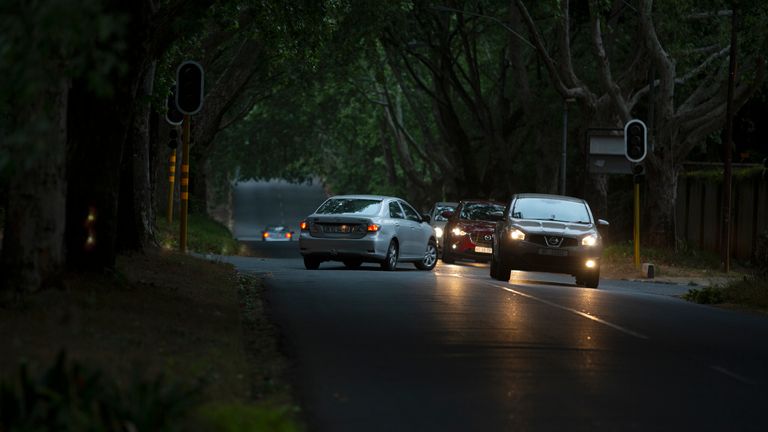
point(603, 222)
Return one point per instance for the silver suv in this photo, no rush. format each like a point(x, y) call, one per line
point(549, 233)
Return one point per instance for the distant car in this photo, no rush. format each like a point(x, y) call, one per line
point(438, 217)
point(549, 233)
point(276, 233)
point(469, 231)
point(367, 228)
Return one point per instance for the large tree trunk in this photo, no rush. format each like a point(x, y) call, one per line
point(33, 249)
point(662, 176)
point(136, 213)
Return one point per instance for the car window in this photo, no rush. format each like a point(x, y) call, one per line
point(437, 215)
point(368, 207)
point(481, 211)
point(551, 209)
point(410, 213)
point(395, 211)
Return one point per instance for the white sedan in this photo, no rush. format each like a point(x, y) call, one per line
point(367, 228)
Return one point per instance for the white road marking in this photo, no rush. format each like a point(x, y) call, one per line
point(735, 376)
point(574, 311)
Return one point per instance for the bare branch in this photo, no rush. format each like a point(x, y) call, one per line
point(684, 79)
point(494, 19)
point(707, 15)
point(664, 65)
point(605, 68)
point(581, 92)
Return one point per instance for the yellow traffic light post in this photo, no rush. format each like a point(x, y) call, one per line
point(189, 101)
point(184, 203)
point(635, 150)
point(637, 225)
point(171, 183)
point(174, 117)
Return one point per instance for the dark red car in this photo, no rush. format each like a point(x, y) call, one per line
point(469, 231)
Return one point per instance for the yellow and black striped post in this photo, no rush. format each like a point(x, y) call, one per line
point(171, 183)
point(184, 184)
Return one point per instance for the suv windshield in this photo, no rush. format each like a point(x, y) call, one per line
point(481, 211)
point(368, 207)
point(551, 209)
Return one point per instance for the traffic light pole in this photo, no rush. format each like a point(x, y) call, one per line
point(184, 184)
point(637, 225)
point(171, 183)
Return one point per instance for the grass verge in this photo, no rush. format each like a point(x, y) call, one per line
point(749, 293)
point(205, 235)
point(618, 262)
point(161, 322)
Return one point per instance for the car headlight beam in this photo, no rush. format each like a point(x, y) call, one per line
point(438, 232)
point(458, 231)
point(589, 240)
point(517, 235)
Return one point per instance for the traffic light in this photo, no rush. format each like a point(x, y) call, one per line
point(189, 86)
point(173, 138)
point(635, 140)
point(172, 113)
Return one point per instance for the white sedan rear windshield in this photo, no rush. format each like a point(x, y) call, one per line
point(367, 207)
point(551, 210)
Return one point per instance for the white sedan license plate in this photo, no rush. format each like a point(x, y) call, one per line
point(480, 249)
point(553, 252)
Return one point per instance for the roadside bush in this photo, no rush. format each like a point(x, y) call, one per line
point(751, 291)
point(706, 295)
point(204, 235)
point(71, 397)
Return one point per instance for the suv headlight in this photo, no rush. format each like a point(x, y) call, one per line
point(589, 240)
point(517, 235)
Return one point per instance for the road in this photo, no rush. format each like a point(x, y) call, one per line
point(453, 350)
point(276, 202)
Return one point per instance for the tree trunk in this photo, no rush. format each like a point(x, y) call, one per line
point(662, 176)
point(136, 215)
point(33, 249)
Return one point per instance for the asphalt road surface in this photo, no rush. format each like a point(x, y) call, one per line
point(276, 202)
point(454, 350)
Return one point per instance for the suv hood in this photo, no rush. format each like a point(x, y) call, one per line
point(557, 228)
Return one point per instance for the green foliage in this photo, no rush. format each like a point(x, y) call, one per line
point(235, 417)
point(684, 256)
point(204, 235)
point(43, 45)
point(716, 175)
point(750, 291)
point(69, 396)
point(706, 295)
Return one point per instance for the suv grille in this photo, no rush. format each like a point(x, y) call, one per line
point(554, 241)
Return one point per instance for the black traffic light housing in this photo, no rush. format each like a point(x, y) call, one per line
point(173, 138)
point(635, 140)
point(172, 113)
point(189, 87)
